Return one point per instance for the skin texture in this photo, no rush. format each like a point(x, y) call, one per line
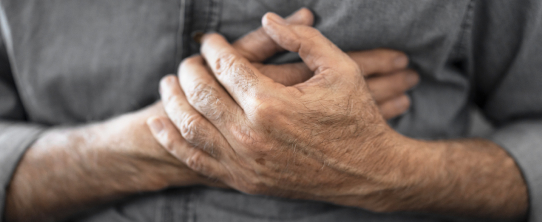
point(106, 160)
point(116, 158)
point(323, 139)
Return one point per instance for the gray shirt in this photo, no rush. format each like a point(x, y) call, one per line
point(73, 62)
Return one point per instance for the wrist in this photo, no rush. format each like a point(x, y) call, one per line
point(421, 166)
point(119, 156)
point(49, 178)
point(398, 175)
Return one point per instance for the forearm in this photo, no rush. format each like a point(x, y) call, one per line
point(471, 177)
point(66, 171)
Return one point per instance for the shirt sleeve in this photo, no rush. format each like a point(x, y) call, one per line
point(14, 139)
point(523, 141)
point(16, 134)
point(507, 71)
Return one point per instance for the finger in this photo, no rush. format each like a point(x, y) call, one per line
point(390, 86)
point(238, 76)
point(395, 107)
point(193, 127)
point(167, 135)
point(317, 52)
point(257, 46)
point(379, 61)
point(372, 63)
point(286, 74)
point(207, 97)
point(205, 94)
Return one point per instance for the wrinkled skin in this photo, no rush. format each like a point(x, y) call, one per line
point(319, 139)
point(119, 157)
point(325, 138)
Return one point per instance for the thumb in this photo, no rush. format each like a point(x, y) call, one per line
point(318, 52)
point(257, 46)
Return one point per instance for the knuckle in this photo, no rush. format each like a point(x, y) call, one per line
point(245, 136)
point(196, 132)
point(169, 142)
point(264, 110)
point(195, 162)
point(174, 101)
point(225, 60)
point(174, 107)
point(205, 98)
point(252, 141)
point(192, 128)
point(202, 92)
point(236, 70)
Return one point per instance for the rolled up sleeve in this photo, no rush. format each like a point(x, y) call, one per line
point(523, 141)
point(16, 133)
point(15, 138)
point(508, 77)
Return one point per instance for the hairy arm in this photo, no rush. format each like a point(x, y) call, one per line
point(69, 170)
point(467, 177)
point(324, 139)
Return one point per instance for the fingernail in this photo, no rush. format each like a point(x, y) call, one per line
point(155, 125)
point(297, 15)
point(412, 79)
point(401, 102)
point(400, 61)
point(275, 18)
point(170, 79)
point(166, 81)
point(162, 85)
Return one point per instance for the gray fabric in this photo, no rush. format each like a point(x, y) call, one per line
point(75, 62)
point(506, 71)
point(15, 137)
point(521, 138)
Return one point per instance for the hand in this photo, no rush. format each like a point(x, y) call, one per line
point(69, 170)
point(322, 139)
point(138, 160)
point(386, 70)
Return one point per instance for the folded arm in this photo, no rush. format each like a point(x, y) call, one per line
point(325, 139)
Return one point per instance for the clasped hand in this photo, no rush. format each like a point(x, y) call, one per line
point(322, 139)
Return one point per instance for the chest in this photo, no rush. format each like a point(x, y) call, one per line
point(80, 61)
